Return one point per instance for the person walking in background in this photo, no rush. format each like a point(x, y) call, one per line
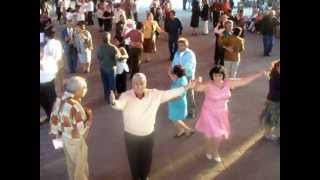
point(54, 49)
point(120, 30)
point(205, 17)
point(139, 107)
point(135, 10)
point(268, 26)
point(149, 33)
point(108, 16)
point(84, 46)
point(136, 48)
point(70, 50)
point(80, 14)
point(177, 108)
point(174, 29)
point(186, 57)
point(240, 21)
point(213, 121)
point(71, 121)
point(233, 46)
point(90, 11)
point(270, 115)
point(215, 13)
point(107, 55)
point(99, 14)
point(218, 32)
point(195, 16)
point(48, 73)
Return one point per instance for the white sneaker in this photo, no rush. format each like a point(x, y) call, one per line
point(217, 159)
point(209, 156)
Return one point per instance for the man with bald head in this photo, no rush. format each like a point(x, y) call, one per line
point(139, 107)
point(107, 55)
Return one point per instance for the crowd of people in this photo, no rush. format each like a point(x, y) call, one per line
point(128, 42)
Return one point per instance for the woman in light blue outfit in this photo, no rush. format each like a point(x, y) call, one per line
point(178, 107)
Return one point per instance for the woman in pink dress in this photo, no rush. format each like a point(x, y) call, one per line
point(213, 121)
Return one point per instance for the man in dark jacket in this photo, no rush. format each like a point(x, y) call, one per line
point(268, 25)
point(174, 28)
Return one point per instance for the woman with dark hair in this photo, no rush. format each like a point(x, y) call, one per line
point(120, 30)
point(213, 121)
point(135, 48)
point(178, 111)
point(270, 116)
point(108, 16)
point(196, 12)
point(45, 23)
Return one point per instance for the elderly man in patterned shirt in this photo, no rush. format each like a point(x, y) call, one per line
point(71, 121)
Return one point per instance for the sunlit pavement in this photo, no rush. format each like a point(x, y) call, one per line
point(182, 158)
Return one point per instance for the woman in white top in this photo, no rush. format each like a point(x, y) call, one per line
point(121, 71)
point(84, 45)
point(80, 15)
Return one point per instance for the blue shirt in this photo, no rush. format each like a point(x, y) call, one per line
point(188, 60)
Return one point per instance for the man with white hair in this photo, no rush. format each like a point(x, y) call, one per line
point(139, 107)
point(71, 121)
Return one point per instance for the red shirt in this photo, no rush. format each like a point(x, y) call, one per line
point(135, 36)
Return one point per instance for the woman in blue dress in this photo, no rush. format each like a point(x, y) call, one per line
point(178, 107)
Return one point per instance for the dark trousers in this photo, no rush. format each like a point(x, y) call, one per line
point(58, 12)
point(108, 81)
point(184, 4)
point(139, 150)
point(219, 56)
point(173, 45)
point(107, 25)
point(71, 56)
point(89, 18)
point(135, 55)
point(121, 82)
point(47, 96)
point(135, 16)
point(267, 44)
point(100, 22)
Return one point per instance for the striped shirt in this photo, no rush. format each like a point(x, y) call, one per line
point(69, 118)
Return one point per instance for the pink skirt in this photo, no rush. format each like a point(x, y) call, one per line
point(214, 123)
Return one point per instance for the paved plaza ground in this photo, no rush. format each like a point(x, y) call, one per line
point(245, 155)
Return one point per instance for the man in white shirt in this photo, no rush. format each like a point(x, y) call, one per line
point(54, 49)
point(118, 12)
point(139, 107)
point(48, 72)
